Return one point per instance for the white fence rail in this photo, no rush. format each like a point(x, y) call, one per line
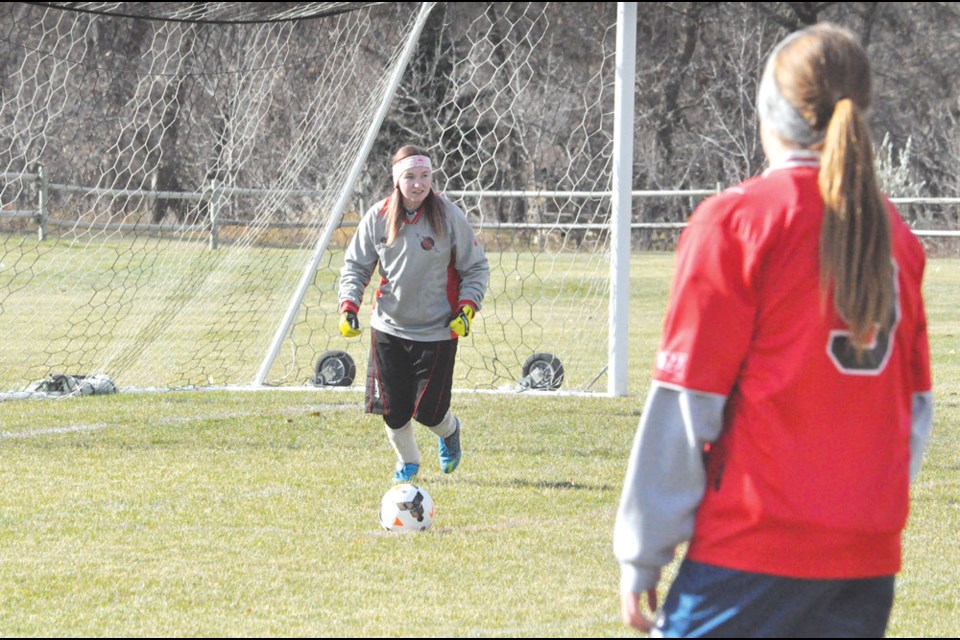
point(213, 193)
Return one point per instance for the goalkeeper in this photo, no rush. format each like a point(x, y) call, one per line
point(433, 278)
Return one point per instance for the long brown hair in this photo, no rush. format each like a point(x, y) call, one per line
point(431, 207)
point(824, 73)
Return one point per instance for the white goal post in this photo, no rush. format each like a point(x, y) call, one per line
point(620, 220)
point(178, 182)
point(177, 187)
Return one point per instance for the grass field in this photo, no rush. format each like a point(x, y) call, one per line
point(255, 513)
point(157, 313)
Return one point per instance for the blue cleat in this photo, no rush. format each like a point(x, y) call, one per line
point(450, 452)
point(405, 472)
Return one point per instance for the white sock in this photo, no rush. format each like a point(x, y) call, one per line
point(446, 427)
point(404, 443)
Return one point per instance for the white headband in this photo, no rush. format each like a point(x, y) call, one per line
point(777, 112)
point(409, 163)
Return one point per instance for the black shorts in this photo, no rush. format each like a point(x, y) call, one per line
point(409, 379)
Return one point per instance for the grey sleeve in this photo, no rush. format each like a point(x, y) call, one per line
point(664, 483)
point(359, 261)
point(471, 261)
point(920, 428)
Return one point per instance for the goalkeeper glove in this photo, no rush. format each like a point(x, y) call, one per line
point(460, 321)
point(349, 324)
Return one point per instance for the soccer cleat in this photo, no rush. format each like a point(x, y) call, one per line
point(450, 452)
point(405, 472)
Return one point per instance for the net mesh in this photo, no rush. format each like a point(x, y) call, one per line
point(192, 154)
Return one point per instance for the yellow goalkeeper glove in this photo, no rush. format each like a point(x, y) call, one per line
point(349, 324)
point(460, 321)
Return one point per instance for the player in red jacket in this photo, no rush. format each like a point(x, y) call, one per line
point(791, 403)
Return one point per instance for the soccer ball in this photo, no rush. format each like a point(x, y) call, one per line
point(406, 507)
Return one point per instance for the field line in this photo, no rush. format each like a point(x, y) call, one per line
point(6, 435)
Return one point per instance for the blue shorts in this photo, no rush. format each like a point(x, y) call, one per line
point(709, 601)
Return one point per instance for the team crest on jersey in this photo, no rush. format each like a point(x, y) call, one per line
point(427, 243)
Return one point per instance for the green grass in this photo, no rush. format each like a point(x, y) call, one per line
point(157, 313)
point(255, 513)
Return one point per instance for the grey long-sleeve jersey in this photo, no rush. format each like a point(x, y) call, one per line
point(425, 278)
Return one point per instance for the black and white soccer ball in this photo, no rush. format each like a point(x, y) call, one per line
point(406, 507)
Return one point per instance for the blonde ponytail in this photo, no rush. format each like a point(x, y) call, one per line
point(855, 237)
point(815, 92)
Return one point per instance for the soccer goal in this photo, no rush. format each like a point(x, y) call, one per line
point(178, 182)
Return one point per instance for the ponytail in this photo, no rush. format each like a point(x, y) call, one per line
point(855, 237)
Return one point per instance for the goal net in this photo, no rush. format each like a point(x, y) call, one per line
point(168, 171)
